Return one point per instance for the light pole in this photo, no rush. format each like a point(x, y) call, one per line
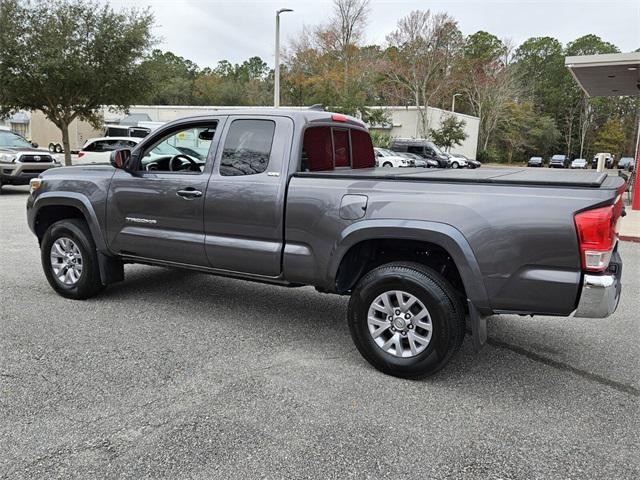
point(453, 101)
point(276, 79)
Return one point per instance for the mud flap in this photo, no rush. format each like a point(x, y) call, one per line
point(111, 269)
point(478, 327)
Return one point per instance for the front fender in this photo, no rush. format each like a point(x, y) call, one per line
point(441, 234)
point(70, 199)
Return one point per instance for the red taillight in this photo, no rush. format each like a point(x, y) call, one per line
point(338, 118)
point(80, 154)
point(597, 236)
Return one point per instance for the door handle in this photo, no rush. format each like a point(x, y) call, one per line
point(189, 193)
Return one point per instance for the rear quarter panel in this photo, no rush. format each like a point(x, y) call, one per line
point(523, 237)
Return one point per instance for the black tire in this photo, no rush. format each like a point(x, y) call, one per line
point(454, 165)
point(58, 148)
point(445, 309)
point(52, 148)
point(387, 164)
point(89, 283)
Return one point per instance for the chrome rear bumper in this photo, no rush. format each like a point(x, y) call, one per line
point(600, 296)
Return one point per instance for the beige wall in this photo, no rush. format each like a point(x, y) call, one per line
point(405, 124)
point(43, 131)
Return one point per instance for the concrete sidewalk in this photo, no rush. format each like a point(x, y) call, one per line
point(630, 225)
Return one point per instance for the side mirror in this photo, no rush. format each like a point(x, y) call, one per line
point(120, 158)
point(34, 144)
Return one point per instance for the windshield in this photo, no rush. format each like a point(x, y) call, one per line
point(11, 140)
point(436, 149)
point(165, 148)
point(387, 153)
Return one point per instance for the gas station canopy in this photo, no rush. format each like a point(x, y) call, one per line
point(614, 74)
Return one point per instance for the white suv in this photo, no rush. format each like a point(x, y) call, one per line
point(387, 158)
point(98, 150)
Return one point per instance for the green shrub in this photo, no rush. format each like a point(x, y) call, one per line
point(380, 139)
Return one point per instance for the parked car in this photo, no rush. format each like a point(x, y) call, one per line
point(535, 162)
point(579, 163)
point(20, 160)
point(290, 197)
point(608, 160)
point(418, 161)
point(626, 163)
point(387, 158)
point(469, 163)
point(455, 162)
point(424, 148)
point(559, 161)
point(98, 150)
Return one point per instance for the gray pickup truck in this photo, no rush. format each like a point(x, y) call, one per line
point(292, 197)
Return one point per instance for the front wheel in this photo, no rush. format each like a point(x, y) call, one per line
point(454, 165)
point(406, 320)
point(70, 261)
point(387, 164)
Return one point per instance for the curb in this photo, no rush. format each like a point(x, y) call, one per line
point(626, 238)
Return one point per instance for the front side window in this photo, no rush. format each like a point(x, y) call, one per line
point(247, 147)
point(180, 151)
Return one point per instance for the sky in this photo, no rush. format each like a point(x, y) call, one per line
point(207, 31)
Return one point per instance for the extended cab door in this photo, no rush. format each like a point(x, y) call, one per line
point(244, 204)
point(157, 211)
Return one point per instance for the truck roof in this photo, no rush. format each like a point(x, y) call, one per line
point(309, 115)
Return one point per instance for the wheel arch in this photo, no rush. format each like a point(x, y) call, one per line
point(50, 207)
point(344, 272)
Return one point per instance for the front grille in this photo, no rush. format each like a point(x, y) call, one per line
point(30, 171)
point(35, 158)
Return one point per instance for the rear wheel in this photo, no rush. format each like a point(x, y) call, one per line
point(70, 260)
point(454, 165)
point(406, 320)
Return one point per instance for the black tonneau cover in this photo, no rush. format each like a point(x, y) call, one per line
point(503, 176)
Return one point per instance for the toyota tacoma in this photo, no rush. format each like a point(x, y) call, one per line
point(293, 198)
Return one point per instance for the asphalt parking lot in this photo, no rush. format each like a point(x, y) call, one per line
point(173, 374)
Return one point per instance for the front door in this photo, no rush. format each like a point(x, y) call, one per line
point(157, 211)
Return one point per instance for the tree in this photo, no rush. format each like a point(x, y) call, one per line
point(345, 30)
point(69, 58)
point(522, 130)
point(420, 55)
point(450, 133)
point(585, 45)
point(171, 79)
point(487, 81)
point(611, 137)
point(248, 83)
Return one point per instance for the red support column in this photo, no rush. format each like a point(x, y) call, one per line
point(635, 202)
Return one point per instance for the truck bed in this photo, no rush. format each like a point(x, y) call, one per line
point(499, 176)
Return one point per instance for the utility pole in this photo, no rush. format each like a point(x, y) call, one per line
point(276, 80)
point(453, 101)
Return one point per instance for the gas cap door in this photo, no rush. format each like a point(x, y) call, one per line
point(353, 207)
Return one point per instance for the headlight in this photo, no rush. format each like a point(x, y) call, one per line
point(7, 158)
point(34, 184)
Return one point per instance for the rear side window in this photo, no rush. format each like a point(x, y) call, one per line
point(361, 150)
point(247, 147)
point(325, 148)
